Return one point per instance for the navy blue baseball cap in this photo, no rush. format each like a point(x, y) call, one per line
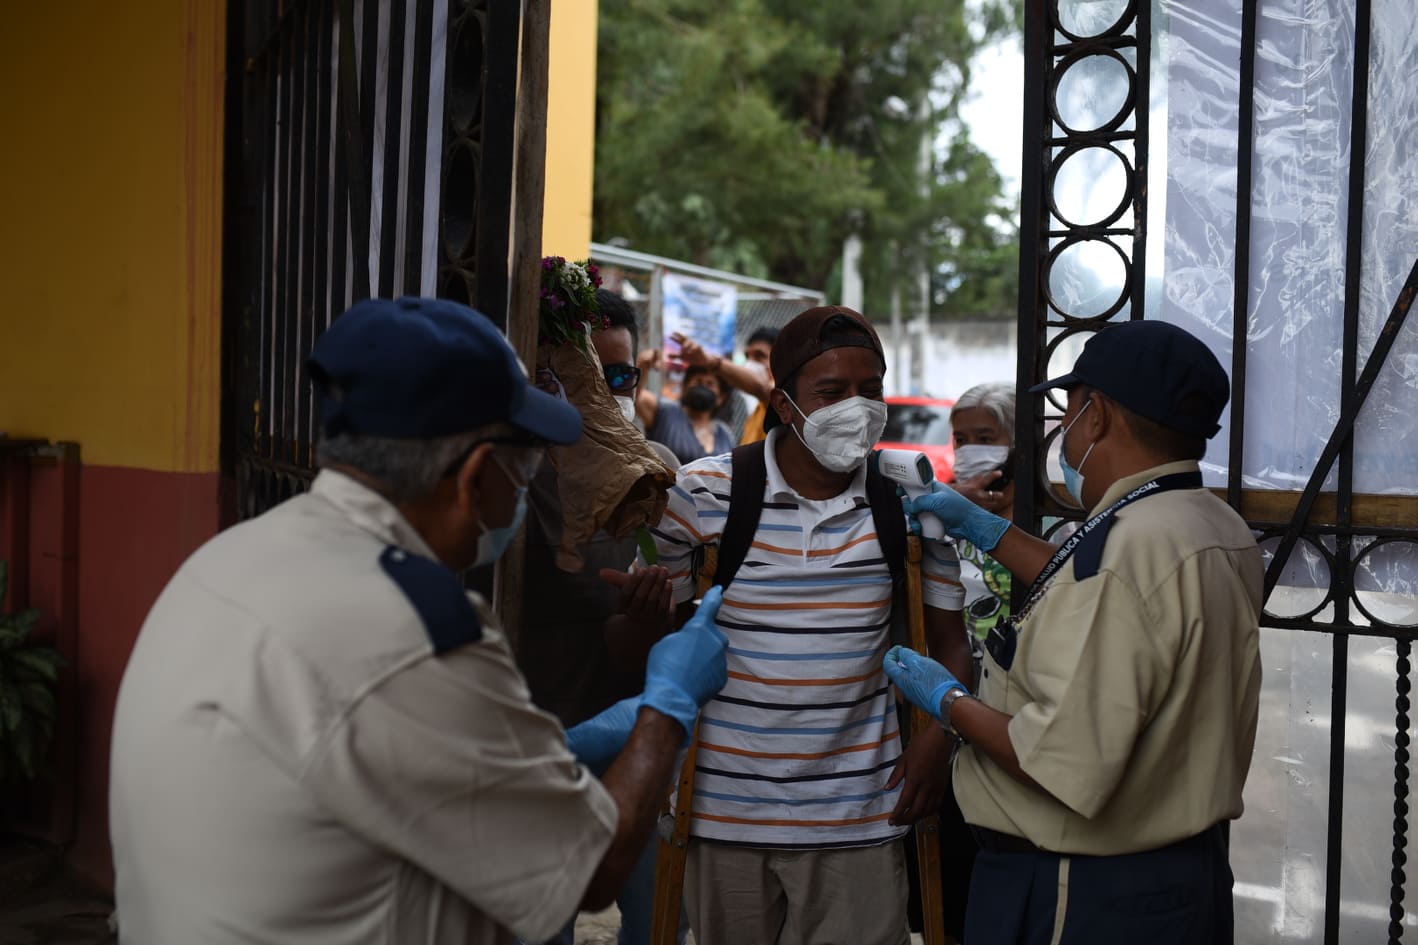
point(1156, 370)
point(415, 368)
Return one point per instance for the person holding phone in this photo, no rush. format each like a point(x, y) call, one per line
point(982, 424)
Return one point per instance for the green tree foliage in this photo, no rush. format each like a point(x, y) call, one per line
point(755, 135)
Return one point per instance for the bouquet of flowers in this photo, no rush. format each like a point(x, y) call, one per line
point(609, 479)
point(569, 311)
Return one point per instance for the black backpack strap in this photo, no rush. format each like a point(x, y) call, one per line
point(750, 476)
point(890, 521)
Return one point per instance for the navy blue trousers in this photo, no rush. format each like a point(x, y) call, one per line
point(1176, 895)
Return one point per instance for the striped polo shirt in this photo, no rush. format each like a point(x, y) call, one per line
point(795, 751)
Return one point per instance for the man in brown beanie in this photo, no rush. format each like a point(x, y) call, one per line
point(802, 786)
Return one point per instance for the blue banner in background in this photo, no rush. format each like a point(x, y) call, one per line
point(701, 309)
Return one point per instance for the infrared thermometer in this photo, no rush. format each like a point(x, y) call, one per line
point(912, 471)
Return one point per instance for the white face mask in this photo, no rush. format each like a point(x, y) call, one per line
point(841, 435)
point(972, 459)
point(627, 407)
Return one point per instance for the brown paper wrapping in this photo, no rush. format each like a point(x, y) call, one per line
point(609, 478)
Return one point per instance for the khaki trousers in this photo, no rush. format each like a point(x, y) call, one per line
point(744, 896)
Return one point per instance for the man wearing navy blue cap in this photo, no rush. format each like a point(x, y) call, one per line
point(1110, 739)
point(322, 737)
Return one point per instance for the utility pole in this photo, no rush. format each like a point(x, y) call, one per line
point(923, 317)
point(900, 381)
point(852, 272)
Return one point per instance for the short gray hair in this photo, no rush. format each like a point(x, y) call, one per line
point(995, 398)
point(404, 469)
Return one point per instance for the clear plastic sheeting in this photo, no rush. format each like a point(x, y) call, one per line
point(1386, 441)
point(1278, 845)
point(1299, 219)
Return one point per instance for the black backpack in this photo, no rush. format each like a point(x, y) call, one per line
point(750, 475)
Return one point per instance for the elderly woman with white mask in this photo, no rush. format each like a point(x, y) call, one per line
point(982, 423)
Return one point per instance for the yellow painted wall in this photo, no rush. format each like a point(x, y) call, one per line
point(110, 238)
point(571, 130)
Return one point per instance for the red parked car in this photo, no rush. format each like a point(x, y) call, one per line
point(922, 423)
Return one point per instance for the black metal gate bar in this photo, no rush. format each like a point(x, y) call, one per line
point(1241, 297)
point(393, 150)
point(318, 288)
point(354, 170)
point(418, 147)
point(369, 110)
point(340, 241)
point(1142, 109)
point(1032, 250)
point(499, 128)
point(283, 313)
point(1397, 877)
point(303, 197)
point(1340, 575)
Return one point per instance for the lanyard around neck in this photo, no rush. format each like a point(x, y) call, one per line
point(1095, 531)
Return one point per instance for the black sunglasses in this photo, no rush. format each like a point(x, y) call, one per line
point(621, 377)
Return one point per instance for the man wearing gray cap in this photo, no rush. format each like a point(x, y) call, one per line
point(322, 737)
point(1110, 739)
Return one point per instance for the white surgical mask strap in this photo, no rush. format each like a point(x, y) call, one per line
point(1063, 437)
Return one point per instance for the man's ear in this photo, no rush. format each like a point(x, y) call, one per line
point(1106, 414)
point(468, 480)
point(778, 400)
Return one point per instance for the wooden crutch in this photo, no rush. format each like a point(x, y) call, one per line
point(927, 830)
point(674, 850)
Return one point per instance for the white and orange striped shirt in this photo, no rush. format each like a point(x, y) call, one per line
point(797, 748)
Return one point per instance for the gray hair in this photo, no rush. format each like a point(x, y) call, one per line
point(995, 398)
point(404, 469)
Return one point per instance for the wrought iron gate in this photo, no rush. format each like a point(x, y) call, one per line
point(1335, 524)
point(369, 153)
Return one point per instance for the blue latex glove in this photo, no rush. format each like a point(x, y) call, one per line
point(687, 668)
point(596, 741)
point(961, 517)
point(921, 680)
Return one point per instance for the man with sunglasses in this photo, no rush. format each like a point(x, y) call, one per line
point(1108, 745)
point(322, 737)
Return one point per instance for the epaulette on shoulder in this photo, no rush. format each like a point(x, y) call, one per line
point(1088, 556)
point(437, 594)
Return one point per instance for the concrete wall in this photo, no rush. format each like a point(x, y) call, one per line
point(109, 338)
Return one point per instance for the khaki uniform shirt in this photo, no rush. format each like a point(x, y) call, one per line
point(1133, 692)
point(306, 752)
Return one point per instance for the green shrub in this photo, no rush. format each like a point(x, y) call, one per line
point(28, 674)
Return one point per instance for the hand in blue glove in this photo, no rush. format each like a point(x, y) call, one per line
point(921, 680)
point(596, 741)
point(687, 668)
point(961, 517)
